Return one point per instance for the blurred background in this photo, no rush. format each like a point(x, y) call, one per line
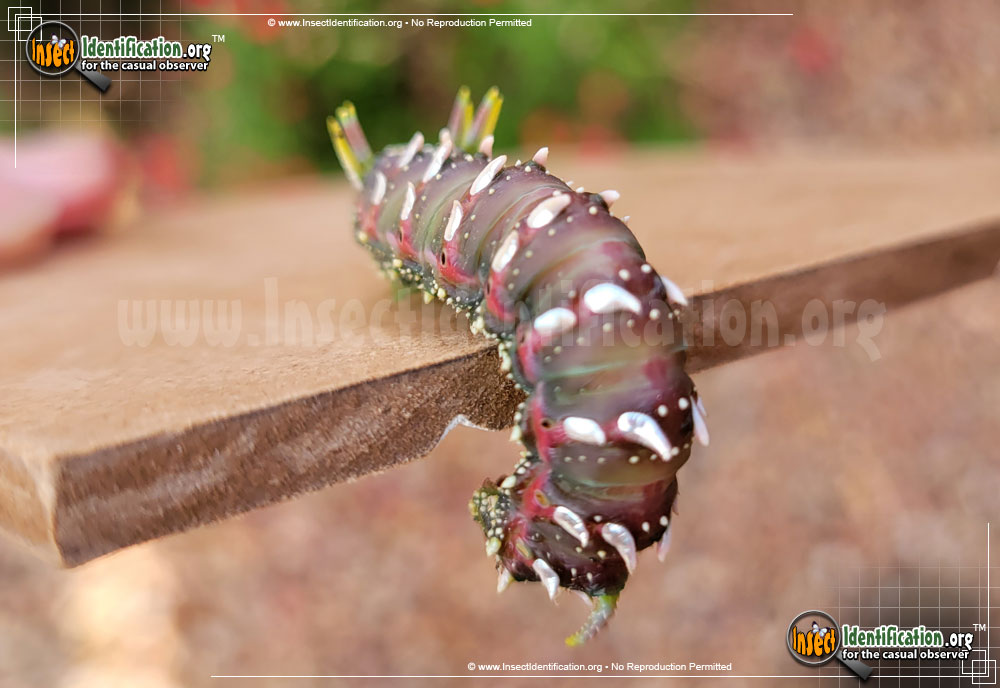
point(274, 592)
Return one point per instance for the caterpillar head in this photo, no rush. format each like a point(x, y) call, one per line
point(491, 509)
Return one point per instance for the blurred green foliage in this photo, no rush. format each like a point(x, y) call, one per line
point(568, 78)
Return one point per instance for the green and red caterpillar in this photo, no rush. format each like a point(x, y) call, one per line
point(564, 288)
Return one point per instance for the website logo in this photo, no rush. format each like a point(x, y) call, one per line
point(53, 49)
point(814, 639)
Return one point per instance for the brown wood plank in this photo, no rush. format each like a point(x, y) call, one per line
point(104, 444)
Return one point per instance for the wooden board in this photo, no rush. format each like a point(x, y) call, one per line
point(107, 440)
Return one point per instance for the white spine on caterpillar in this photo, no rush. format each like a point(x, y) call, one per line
point(550, 579)
point(609, 196)
point(484, 178)
point(618, 537)
point(415, 144)
point(504, 579)
point(674, 292)
point(546, 211)
point(453, 221)
point(505, 253)
point(378, 191)
point(663, 546)
point(486, 146)
point(408, 201)
point(700, 428)
point(608, 298)
point(644, 430)
point(554, 321)
point(441, 154)
point(571, 522)
point(584, 430)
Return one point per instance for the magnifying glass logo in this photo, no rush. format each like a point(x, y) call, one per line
point(53, 49)
point(813, 639)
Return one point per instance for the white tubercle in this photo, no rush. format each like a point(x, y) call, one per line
point(453, 221)
point(378, 191)
point(505, 579)
point(415, 144)
point(674, 292)
point(644, 430)
point(571, 522)
point(550, 579)
point(493, 546)
point(546, 211)
point(487, 174)
point(541, 156)
point(700, 428)
point(610, 196)
point(584, 430)
point(408, 201)
point(441, 154)
point(506, 252)
point(608, 298)
point(663, 546)
point(486, 146)
point(618, 537)
point(554, 321)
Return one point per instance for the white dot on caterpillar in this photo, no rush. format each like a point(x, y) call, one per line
point(654, 314)
point(592, 210)
point(624, 274)
point(664, 521)
point(569, 219)
point(633, 459)
point(491, 192)
point(675, 451)
point(601, 459)
point(645, 526)
point(682, 403)
point(601, 553)
point(552, 232)
point(567, 459)
point(598, 518)
point(662, 410)
point(607, 327)
point(646, 268)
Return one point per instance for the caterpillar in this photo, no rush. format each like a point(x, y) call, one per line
point(563, 287)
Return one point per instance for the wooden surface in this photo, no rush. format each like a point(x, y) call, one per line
point(104, 444)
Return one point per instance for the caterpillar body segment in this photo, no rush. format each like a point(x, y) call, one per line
point(585, 326)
